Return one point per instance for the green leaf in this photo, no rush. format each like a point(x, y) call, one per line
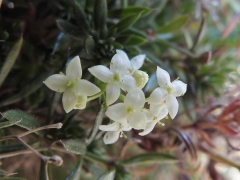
point(219, 158)
point(90, 46)
point(70, 29)
point(122, 13)
point(126, 23)
point(116, 45)
point(21, 119)
point(81, 18)
point(131, 40)
point(10, 60)
point(75, 146)
point(136, 32)
point(75, 174)
point(100, 14)
point(149, 158)
point(110, 175)
point(174, 25)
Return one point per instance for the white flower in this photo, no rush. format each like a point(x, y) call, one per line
point(167, 92)
point(154, 115)
point(114, 131)
point(136, 62)
point(131, 110)
point(117, 77)
point(75, 90)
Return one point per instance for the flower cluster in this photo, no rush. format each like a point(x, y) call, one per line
point(123, 74)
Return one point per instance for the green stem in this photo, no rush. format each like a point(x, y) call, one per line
point(103, 89)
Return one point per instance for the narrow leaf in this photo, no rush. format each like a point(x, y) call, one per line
point(70, 29)
point(75, 146)
point(132, 40)
point(122, 13)
point(81, 18)
point(174, 25)
point(126, 22)
point(10, 60)
point(90, 46)
point(219, 158)
point(149, 158)
point(116, 45)
point(75, 174)
point(110, 175)
point(21, 119)
point(136, 32)
point(100, 14)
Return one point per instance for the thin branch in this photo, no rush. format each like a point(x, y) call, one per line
point(199, 33)
point(57, 126)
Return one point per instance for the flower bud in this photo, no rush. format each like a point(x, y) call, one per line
point(141, 78)
point(57, 160)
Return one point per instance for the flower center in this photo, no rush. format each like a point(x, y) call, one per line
point(81, 102)
point(129, 110)
point(169, 90)
point(116, 77)
point(70, 84)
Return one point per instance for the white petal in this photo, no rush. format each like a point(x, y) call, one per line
point(81, 102)
point(112, 92)
point(126, 127)
point(84, 87)
point(119, 64)
point(135, 99)
point(111, 137)
point(162, 114)
point(74, 69)
point(179, 88)
point(149, 115)
point(148, 128)
point(156, 109)
point(128, 83)
point(117, 112)
point(101, 72)
point(137, 120)
point(172, 105)
point(162, 77)
point(137, 61)
point(69, 100)
point(157, 96)
point(123, 56)
point(56, 82)
point(111, 127)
